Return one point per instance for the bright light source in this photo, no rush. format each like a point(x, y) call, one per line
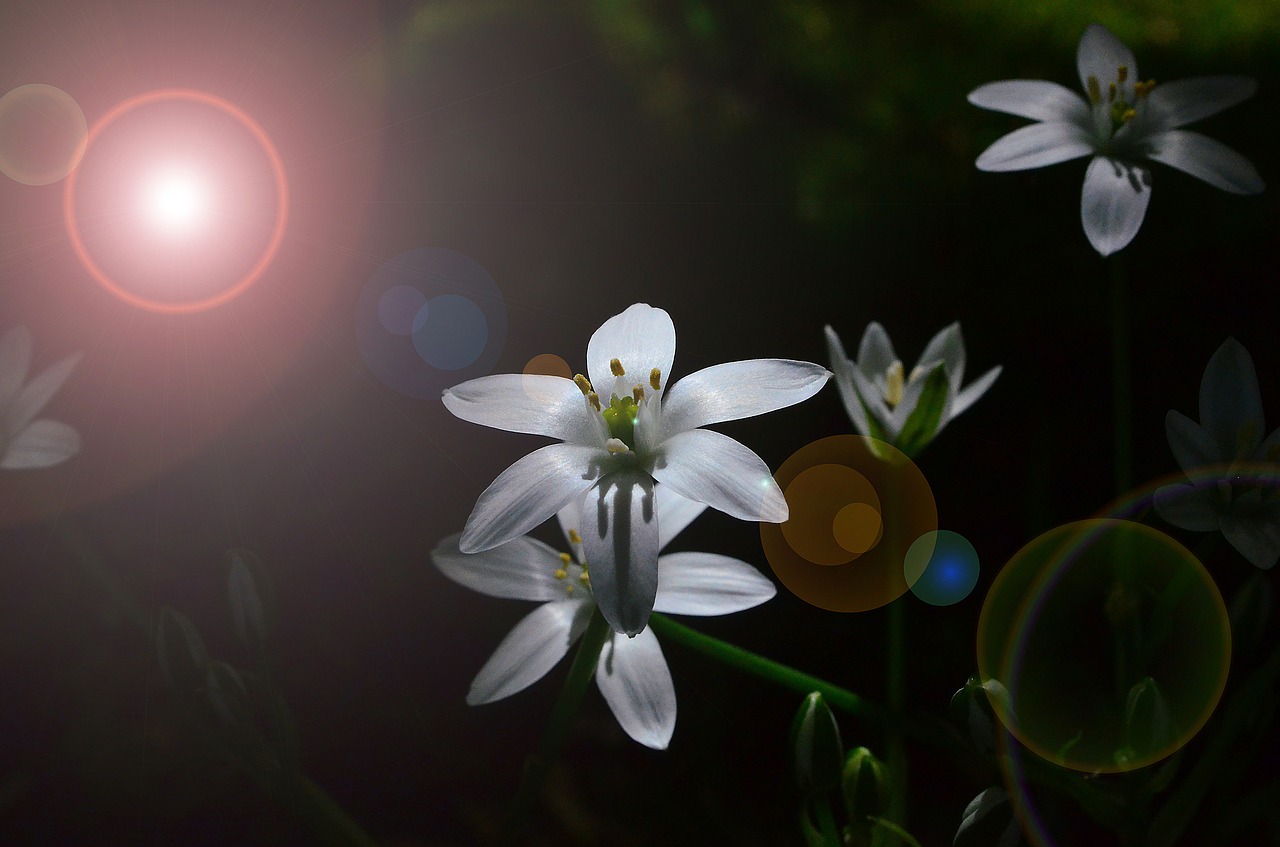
point(176, 201)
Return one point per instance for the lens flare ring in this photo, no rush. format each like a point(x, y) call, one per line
point(203, 98)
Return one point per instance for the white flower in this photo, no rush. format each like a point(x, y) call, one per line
point(1233, 468)
point(885, 403)
point(631, 672)
point(622, 429)
point(24, 441)
point(1123, 122)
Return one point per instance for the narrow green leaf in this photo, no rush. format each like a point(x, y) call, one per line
point(924, 420)
point(180, 651)
point(248, 610)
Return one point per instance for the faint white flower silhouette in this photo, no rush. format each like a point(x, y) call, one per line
point(27, 442)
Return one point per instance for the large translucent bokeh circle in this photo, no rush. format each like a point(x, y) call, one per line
point(1083, 614)
point(856, 504)
point(43, 134)
point(429, 319)
point(274, 238)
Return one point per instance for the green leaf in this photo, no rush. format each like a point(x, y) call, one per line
point(923, 421)
point(813, 834)
point(971, 708)
point(180, 651)
point(988, 822)
point(245, 589)
point(816, 747)
point(227, 695)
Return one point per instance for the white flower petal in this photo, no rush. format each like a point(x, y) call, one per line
point(636, 683)
point(522, 569)
point(530, 491)
point(620, 545)
point(844, 380)
point(674, 513)
point(873, 398)
point(1113, 203)
point(641, 338)
point(41, 444)
point(714, 469)
point(532, 648)
point(1037, 146)
point(709, 584)
point(1032, 98)
point(1183, 101)
point(875, 351)
point(536, 404)
point(911, 399)
point(1192, 446)
point(1205, 159)
point(1269, 450)
point(738, 390)
point(1230, 402)
point(570, 518)
point(1257, 538)
point(38, 392)
point(15, 359)
point(1101, 55)
point(946, 346)
point(974, 390)
point(1190, 507)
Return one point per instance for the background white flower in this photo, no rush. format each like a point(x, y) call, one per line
point(1225, 455)
point(631, 672)
point(624, 428)
point(26, 442)
point(1122, 122)
point(884, 402)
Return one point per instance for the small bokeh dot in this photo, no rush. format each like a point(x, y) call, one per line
point(941, 567)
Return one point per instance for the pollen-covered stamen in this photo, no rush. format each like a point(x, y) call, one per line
point(594, 399)
point(1142, 89)
point(574, 538)
point(893, 384)
point(1122, 73)
point(585, 578)
point(584, 384)
point(655, 379)
point(615, 368)
point(1095, 90)
point(637, 393)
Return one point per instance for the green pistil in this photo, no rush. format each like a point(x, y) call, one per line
point(621, 418)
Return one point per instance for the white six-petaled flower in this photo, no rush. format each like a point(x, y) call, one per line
point(1122, 122)
point(630, 672)
point(624, 427)
point(1233, 468)
point(26, 442)
point(881, 398)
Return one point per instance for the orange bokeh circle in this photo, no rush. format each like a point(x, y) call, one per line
point(189, 95)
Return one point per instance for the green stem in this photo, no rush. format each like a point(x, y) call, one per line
point(1121, 385)
point(895, 744)
point(539, 764)
point(933, 732)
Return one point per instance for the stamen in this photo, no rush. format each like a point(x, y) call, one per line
point(1122, 73)
point(916, 373)
point(616, 446)
point(1095, 94)
point(1142, 89)
point(584, 384)
point(561, 573)
point(1127, 116)
point(566, 559)
point(654, 376)
point(1111, 93)
point(584, 578)
point(568, 589)
point(594, 399)
point(893, 384)
point(637, 393)
point(615, 367)
point(574, 538)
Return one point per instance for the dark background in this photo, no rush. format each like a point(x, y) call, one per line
point(758, 172)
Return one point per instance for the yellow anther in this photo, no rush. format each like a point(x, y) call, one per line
point(1111, 93)
point(615, 368)
point(637, 393)
point(584, 384)
point(584, 578)
point(1127, 115)
point(893, 384)
point(594, 399)
point(1095, 93)
point(568, 589)
point(655, 376)
point(574, 538)
point(616, 446)
point(1142, 89)
point(566, 559)
point(561, 573)
point(1122, 73)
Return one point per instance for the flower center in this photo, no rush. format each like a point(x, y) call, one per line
point(1123, 99)
point(622, 413)
point(564, 574)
